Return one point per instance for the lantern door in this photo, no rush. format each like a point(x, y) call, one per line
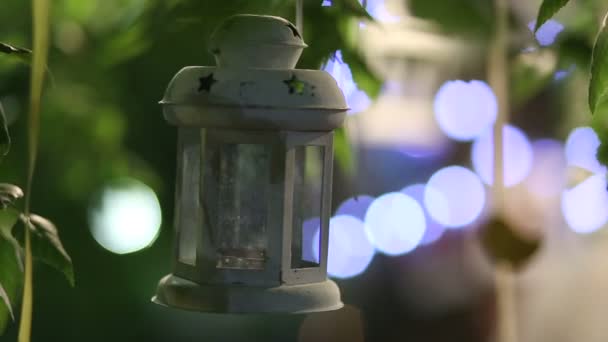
point(239, 189)
point(307, 206)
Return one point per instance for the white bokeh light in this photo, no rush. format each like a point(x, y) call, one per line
point(517, 154)
point(585, 207)
point(350, 252)
point(581, 148)
point(454, 196)
point(434, 230)
point(128, 217)
point(395, 223)
point(464, 110)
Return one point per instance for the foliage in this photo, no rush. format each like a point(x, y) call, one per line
point(548, 8)
point(11, 277)
point(47, 247)
point(40, 235)
point(598, 84)
point(5, 138)
point(461, 17)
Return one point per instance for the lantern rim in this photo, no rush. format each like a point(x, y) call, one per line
point(180, 293)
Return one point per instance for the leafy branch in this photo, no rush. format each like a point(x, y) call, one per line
point(40, 238)
point(598, 81)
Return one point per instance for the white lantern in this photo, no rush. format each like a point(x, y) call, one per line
point(254, 162)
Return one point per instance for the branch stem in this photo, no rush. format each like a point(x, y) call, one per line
point(41, 10)
point(504, 276)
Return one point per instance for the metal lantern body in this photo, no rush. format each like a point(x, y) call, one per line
point(254, 163)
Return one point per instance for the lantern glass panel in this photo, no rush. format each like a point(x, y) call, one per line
point(189, 203)
point(236, 195)
point(307, 206)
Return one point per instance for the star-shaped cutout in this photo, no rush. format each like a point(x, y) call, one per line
point(295, 85)
point(206, 82)
point(294, 30)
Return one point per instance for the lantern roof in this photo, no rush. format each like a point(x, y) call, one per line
point(256, 29)
point(255, 85)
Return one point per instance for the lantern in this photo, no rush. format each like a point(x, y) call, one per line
point(254, 164)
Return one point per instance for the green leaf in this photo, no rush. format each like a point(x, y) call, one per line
point(547, 10)
point(5, 138)
point(23, 54)
point(7, 301)
point(599, 123)
point(47, 247)
point(345, 156)
point(353, 7)
point(457, 17)
point(365, 79)
point(11, 267)
point(8, 194)
point(598, 85)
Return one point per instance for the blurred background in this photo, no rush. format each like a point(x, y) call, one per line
point(412, 183)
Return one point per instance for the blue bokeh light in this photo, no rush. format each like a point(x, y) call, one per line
point(464, 110)
point(350, 252)
point(310, 238)
point(355, 206)
point(356, 99)
point(395, 223)
point(434, 230)
point(547, 177)
point(585, 207)
point(454, 196)
point(563, 73)
point(581, 149)
point(548, 31)
point(517, 154)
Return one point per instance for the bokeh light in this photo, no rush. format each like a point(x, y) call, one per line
point(395, 223)
point(356, 99)
point(585, 207)
point(401, 119)
point(547, 177)
point(454, 196)
point(581, 148)
point(350, 252)
point(434, 230)
point(127, 217)
point(355, 206)
point(310, 238)
point(563, 73)
point(464, 110)
point(548, 31)
point(378, 10)
point(517, 156)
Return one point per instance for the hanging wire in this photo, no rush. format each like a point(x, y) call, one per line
point(300, 16)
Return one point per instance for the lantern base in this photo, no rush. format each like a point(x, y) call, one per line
point(181, 293)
